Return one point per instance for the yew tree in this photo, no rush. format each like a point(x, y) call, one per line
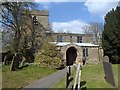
point(111, 35)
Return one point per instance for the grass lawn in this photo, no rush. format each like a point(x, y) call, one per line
point(92, 77)
point(21, 78)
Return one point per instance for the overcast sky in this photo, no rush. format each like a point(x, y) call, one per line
point(69, 16)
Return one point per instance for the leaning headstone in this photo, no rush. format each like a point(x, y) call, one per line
point(5, 60)
point(15, 62)
point(108, 71)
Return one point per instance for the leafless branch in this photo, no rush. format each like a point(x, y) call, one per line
point(7, 25)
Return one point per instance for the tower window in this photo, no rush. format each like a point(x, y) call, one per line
point(79, 39)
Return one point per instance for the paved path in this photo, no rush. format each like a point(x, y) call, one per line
point(48, 81)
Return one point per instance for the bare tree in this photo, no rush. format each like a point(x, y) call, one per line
point(86, 29)
point(12, 17)
point(7, 36)
point(95, 29)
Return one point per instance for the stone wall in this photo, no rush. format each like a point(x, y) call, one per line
point(42, 26)
point(68, 37)
point(79, 52)
point(42, 17)
point(87, 39)
point(95, 54)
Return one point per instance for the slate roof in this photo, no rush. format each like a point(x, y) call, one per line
point(79, 44)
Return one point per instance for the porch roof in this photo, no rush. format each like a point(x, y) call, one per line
point(79, 44)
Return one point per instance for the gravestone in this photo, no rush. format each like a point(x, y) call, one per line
point(108, 71)
point(15, 62)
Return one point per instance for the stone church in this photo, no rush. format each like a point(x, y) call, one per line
point(78, 48)
point(74, 47)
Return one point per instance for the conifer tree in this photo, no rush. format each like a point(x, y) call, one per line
point(111, 35)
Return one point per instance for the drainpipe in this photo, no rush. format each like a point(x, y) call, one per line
point(71, 39)
point(99, 52)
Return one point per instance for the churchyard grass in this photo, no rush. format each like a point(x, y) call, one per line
point(21, 78)
point(93, 77)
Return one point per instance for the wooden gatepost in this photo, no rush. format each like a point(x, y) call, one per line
point(76, 79)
